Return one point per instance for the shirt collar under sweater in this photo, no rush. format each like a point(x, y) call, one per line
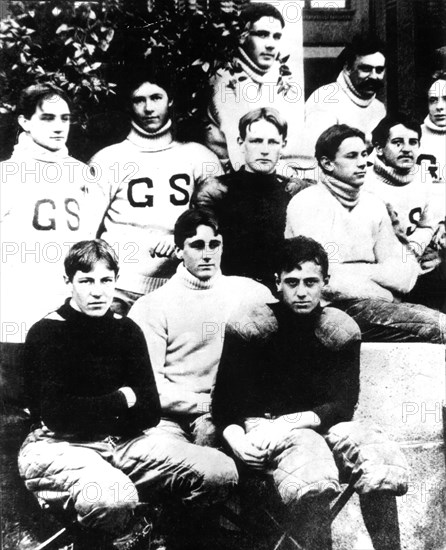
point(432, 127)
point(347, 86)
point(27, 148)
point(390, 176)
point(256, 73)
point(346, 193)
point(151, 141)
point(192, 282)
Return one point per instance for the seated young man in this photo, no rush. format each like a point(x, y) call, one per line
point(371, 270)
point(286, 390)
point(92, 395)
point(183, 323)
point(251, 204)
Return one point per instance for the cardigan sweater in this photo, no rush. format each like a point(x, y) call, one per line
point(184, 323)
point(251, 209)
point(288, 364)
point(75, 367)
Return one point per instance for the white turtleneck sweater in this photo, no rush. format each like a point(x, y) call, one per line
point(249, 89)
point(43, 210)
point(339, 103)
point(184, 324)
point(411, 200)
point(432, 154)
point(366, 258)
point(146, 182)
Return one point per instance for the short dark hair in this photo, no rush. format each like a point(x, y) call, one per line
point(33, 97)
point(380, 134)
point(83, 255)
point(186, 225)
point(293, 252)
point(330, 140)
point(438, 75)
point(137, 73)
point(264, 113)
point(253, 12)
point(361, 44)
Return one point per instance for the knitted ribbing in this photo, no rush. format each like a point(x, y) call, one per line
point(27, 148)
point(347, 86)
point(390, 176)
point(252, 69)
point(433, 127)
point(346, 193)
point(190, 281)
point(151, 141)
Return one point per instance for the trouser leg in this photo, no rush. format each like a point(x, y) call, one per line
point(62, 473)
point(165, 463)
point(382, 321)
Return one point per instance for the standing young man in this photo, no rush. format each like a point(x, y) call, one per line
point(370, 269)
point(285, 394)
point(251, 204)
point(352, 98)
point(147, 181)
point(257, 82)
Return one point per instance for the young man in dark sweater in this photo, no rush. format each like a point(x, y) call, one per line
point(285, 394)
point(251, 204)
point(92, 395)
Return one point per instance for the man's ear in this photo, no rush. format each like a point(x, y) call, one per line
point(278, 282)
point(347, 68)
point(379, 151)
point(23, 122)
point(66, 279)
point(326, 164)
point(240, 141)
point(327, 280)
point(179, 252)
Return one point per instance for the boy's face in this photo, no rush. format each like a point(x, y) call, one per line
point(401, 149)
point(50, 123)
point(201, 253)
point(150, 106)
point(301, 288)
point(262, 43)
point(92, 292)
point(261, 147)
point(437, 103)
point(350, 162)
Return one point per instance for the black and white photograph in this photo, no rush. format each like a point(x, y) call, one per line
point(223, 275)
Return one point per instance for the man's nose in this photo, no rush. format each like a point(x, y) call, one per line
point(148, 107)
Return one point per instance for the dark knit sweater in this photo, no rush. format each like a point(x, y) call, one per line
point(75, 367)
point(305, 363)
point(251, 209)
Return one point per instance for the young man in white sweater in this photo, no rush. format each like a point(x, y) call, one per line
point(352, 98)
point(146, 182)
point(184, 323)
point(259, 80)
point(371, 270)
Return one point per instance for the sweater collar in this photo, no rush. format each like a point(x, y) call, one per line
point(151, 141)
point(346, 193)
point(346, 84)
point(81, 319)
point(257, 180)
point(390, 176)
point(302, 323)
point(258, 75)
point(433, 127)
point(192, 282)
point(27, 148)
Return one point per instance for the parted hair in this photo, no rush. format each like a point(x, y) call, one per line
point(33, 97)
point(83, 255)
point(186, 225)
point(264, 113)
point(330, 140)
point(381, 132)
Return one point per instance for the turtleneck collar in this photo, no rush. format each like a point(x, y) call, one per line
point(251, 68)
point(346, 84)
point(390, 176)
point(192, 282)
point(257, 180)
point(27, 148)
point(305, 323)
point(151, 141)
point(346, 193)
point(433, 127)
point(81, 319)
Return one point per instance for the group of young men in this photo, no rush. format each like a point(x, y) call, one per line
point(226, 342)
